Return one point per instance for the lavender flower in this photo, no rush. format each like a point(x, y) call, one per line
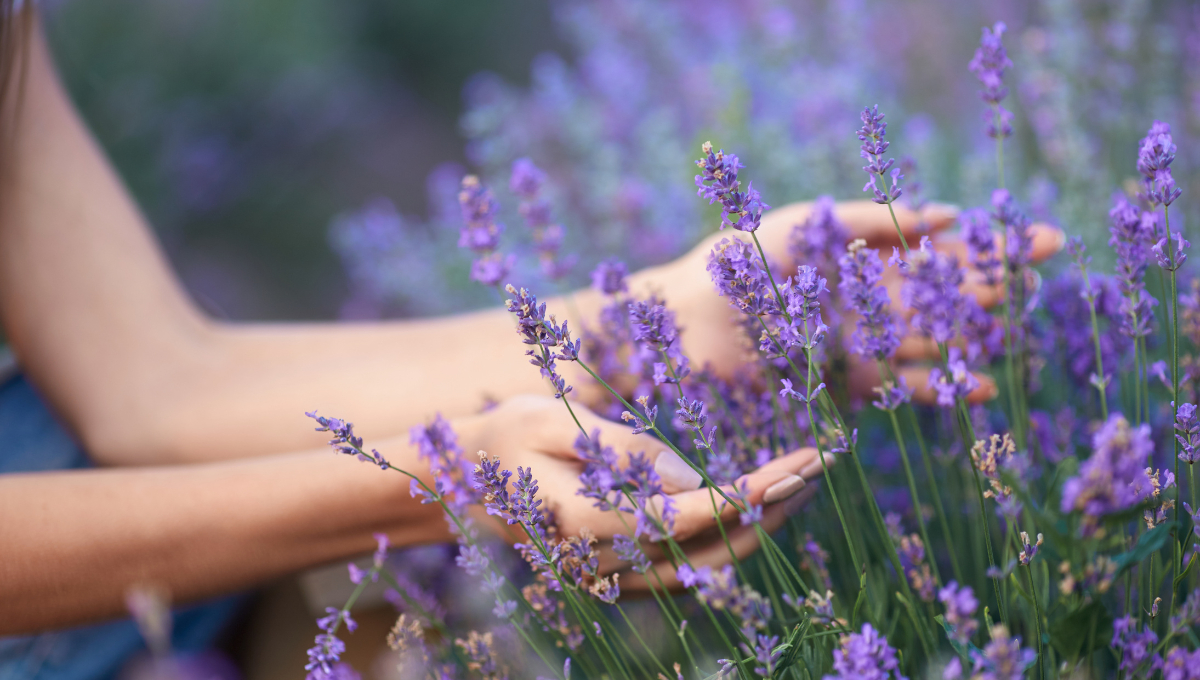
point(1029, 550)
point(481, 232)
point(1171, 259)
point(1134, 647)
point(1130, 233)
point(525, 501)
point(1180, 664)
point(526, 182)
point(653, 325)
point(739, 274)
point(989, 458)
point(932, 291)
point(874, 145)
point(482, 656)
point(545, 334)
point(627, 549)
point(492, 483)
point(718, 181)
point(865, 656)
point(803, 304)
point(437, 446)
point(1003, 658)
point(329, 647)
point(721, 591)
point(911, 549)
point(1018, 242)
point(960, 604)
point(601, 479)
point(893, 395)
point(989, 63)
point(876, 334)
point(1189, 613)
point(955, 385)
point(981, 244)
point(490, 269)
point(609, 277)
point(1114, 477)
point(821, 239)
point(1187, 433)
point(1155, 155)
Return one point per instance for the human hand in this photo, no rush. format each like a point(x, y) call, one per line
point(538, 433)
point(711, 337)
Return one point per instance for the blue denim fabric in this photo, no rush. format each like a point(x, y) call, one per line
point(31, 439)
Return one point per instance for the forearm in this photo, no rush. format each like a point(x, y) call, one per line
point(74, 542)
point(104, 330)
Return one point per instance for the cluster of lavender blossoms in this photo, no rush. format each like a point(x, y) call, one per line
point(1091, 568)
point(988, 64)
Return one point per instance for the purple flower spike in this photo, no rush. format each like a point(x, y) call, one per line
point(526, 179)
point(876, 333)
point(1018, 242)
point(932, 290)
point(893, 395)
point(981, 244)
point(1171, 259)
point(960, 604)
point(1155, 155)
point(1134, 647)
point(873, 147)
point(628, 550)
point(480, 231)
point(1115, 477)
point(988, 64)
point(1187, 433)
point(864, 655)
point(609, 277)
point(718, 181)
point(957, 385)
point(1131, 232)
point(1003, 658)
point(738, 273)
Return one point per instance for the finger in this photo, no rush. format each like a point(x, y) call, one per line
point(1046, 241)
point(917, 348)
point(557, 434)
point(974, 284)
point(714, 553)
point(918, 379)
point(873, 222)
point(695, 508)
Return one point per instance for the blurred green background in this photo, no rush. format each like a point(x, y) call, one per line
point(244, 127)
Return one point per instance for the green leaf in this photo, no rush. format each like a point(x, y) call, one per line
point(1183, 574)
point(1150, 542)
point(792, 645)
point(1082, 631)
point(963, 651)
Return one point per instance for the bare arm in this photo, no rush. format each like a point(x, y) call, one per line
point(104, 329)
point(73, 542)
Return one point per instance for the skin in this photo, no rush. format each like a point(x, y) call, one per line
point(211, 479)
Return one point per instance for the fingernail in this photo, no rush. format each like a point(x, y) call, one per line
point(814, 468)
point(675, 472)
point(784, 488)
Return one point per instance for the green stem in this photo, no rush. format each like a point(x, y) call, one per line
point(1091, 301)
point(912, 487)
point(1037, 613)
point(927, 461)
point(896, 222)
point(968, 431)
